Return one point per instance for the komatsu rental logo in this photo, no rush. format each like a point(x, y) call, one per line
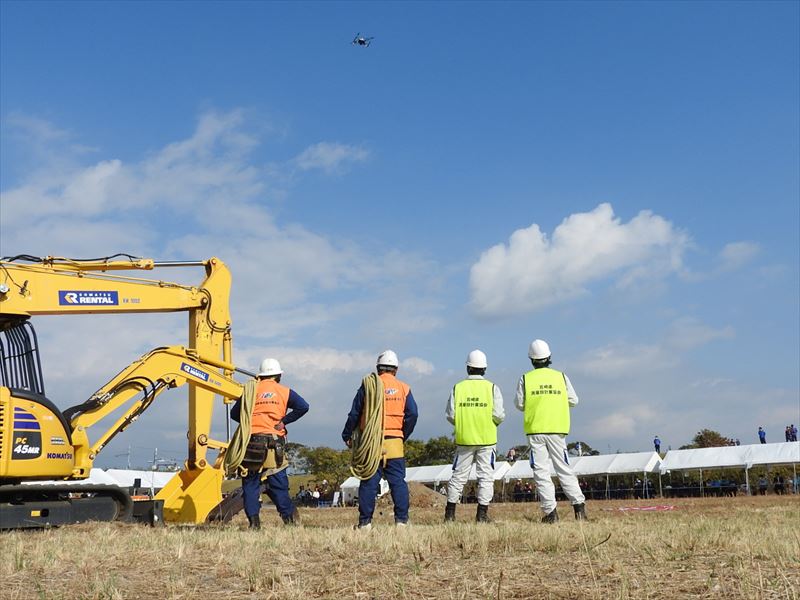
point(194, 371)
point(83, 298)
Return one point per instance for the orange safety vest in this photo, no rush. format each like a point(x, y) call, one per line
point(395, 393)
point(269, 407)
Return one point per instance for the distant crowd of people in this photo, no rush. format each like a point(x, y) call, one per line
point(779, 485)
point(320, 494)
point(790, 434)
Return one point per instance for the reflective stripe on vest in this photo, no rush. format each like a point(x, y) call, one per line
point(474, 404)
point(269, 407)
point(394, 405)
point(546, 405)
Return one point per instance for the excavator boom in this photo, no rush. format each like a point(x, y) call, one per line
point(38, 441)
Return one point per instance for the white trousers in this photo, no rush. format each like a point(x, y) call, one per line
point(554, 447)
point(483, 457)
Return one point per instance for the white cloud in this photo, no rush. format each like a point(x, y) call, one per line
point(311, 364)
point(627, 423)
point(621, 359)
point(329, 157)
point(207, 195)
point(532, 271)
point(737, 254)
point(202, 196)
point(688, 332)
point(417, 365)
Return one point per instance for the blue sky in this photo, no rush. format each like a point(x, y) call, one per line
point(646, 155)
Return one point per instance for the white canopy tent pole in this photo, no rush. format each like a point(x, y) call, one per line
point(660, 489)
point(702, 485)
point(747, 480)
point(608, 496)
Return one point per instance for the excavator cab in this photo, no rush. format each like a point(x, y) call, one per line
point(36, 444)
point(35, 437)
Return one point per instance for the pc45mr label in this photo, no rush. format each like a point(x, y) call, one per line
point(27, 445)
point(87, 298)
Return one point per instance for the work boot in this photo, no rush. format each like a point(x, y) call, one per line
point(482, 515)
point(450, 512)
point(551, 517)
point(363, 527)
point(292, 519)
point(580, 512)
point(255, 522)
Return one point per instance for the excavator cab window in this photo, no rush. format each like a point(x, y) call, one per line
point(20, 365)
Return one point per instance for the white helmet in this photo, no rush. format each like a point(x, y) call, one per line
point(388, 358)
point(476, 359)
point(539, 350)
point(269, 367)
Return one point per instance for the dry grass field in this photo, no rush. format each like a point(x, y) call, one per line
point(704, 548)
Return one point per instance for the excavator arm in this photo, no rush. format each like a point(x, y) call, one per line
point(135, 388)
point(31, 286)
point(62, 286)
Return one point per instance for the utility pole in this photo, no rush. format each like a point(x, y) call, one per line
point(128, 454)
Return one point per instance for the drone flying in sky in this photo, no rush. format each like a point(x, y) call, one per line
point(362, 41)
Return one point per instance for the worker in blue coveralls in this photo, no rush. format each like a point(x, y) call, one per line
point(762, 435)
point(399, 419)
point(268, 431)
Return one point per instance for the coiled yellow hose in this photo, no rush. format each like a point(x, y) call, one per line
point(368, 443)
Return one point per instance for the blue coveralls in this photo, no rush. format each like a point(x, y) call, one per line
point(277, 485)
point(395, 471)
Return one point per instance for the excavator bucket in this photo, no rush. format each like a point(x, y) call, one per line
point(191, 495)
point(230, 506)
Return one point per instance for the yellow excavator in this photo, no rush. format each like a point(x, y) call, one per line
point(40, 442)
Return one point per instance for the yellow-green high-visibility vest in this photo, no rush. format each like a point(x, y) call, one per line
point(546, 405)
point(474, 403)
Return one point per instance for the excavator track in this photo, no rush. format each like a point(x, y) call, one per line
point(36, 506)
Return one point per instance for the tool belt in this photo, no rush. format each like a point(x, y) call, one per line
point(264, 451)
point(392, 448)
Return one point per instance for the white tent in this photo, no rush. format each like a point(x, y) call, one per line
point(434, 474)
point(350, 485)
point(96, 477)
point(739, 457)
point(127, 478)
point(602, 464)
point(784, 453)
point(500, 471)
point(118, 477)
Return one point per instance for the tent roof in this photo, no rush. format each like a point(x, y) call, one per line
point(350, 482)
point(602, 464)
point(783, 453)
point(435, 474)
point(732, 456)
point(125, 478)
point(429, 474)
point(500, 471)
point(634, 462)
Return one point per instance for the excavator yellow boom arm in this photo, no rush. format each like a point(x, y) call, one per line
point(32, 286)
